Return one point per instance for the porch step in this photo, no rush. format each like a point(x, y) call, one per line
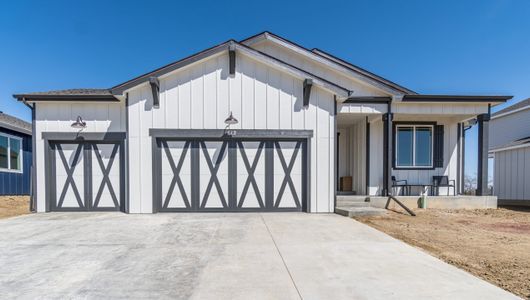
point(352, 204)
point(351, 198)
point(359, 211)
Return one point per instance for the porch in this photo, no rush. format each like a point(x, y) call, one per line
point(408, 148)
point(353, 205)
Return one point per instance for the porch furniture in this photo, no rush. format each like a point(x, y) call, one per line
point(398, 183)
point(443, 181)
point(345, 183)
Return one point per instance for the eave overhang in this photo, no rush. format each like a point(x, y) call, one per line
point(59, 98)
point(456, 98)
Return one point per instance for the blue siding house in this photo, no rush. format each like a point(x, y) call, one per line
point(15, 156)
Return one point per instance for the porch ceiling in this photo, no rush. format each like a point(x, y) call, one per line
point(349, 119)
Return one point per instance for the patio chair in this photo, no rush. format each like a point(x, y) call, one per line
point(398, 183)
point(443, 181)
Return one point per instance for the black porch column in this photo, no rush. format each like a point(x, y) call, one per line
point(387, 153)
point(483, 143)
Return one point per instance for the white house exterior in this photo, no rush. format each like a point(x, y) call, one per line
point(159, 142)
point(510, 148)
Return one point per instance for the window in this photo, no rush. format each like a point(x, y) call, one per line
point(10, 153)
point(414, 146)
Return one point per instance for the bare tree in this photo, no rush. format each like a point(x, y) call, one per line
point(470, 184)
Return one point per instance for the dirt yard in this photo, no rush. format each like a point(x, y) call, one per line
point(493, 244)
point(11, 206)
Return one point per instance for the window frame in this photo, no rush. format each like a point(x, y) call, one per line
point(21, 156)
point(412, 125)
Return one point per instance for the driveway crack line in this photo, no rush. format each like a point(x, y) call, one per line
point(279, 253)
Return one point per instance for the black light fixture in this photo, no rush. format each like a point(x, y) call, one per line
point(231, 120)
point(79, 123)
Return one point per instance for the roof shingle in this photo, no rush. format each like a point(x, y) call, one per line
point(15, 124)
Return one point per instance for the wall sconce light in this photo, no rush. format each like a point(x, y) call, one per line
point(231, 120)
point(79, 123)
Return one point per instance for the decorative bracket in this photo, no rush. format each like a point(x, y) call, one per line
point(308, 83)
point(155, 89)
point(232, 59)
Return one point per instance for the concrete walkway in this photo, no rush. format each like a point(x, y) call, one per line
point(219, 256)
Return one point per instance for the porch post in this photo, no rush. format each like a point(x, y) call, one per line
point(483, 143)
point(387, 153)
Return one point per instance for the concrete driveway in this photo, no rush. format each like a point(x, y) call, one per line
point(219, 256)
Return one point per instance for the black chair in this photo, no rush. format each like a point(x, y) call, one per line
point(396, 183)
point(443, 181)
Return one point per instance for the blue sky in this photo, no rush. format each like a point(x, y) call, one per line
point(432, 47)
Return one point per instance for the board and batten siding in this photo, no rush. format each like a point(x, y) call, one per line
point(57, 117)
point(201, 96)
point(512, 174)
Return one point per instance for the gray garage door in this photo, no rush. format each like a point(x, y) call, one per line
point(230, 175)
point(86, 176)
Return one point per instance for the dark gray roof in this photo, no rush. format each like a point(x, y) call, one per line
point(15, 124)
point(78, 94)
point(74, 92)
point(516, 106)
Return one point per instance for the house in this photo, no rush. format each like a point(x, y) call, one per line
point(15, 156)
point(249, 125)
point(509, 145)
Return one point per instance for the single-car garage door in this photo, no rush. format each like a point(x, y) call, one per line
point(230, 174)
point(85, 176)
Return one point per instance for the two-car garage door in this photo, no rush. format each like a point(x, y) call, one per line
point(230, 175)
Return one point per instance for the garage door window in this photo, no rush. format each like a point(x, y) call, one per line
point(10, 153)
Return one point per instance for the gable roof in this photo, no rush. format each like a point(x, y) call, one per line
point(330, 60)
point(14, 123)
point(118, 89)
point(521, 105)
point(293, 70)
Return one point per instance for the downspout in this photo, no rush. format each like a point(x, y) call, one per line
point(33, 171)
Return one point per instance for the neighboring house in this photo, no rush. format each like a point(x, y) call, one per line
point(510, 147)
point(246, 125)
point(15, 156)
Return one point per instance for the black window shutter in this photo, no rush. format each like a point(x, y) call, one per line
point(438, 151)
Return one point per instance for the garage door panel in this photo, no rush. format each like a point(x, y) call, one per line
point(69, 170)
point(287, 171)
point(250, 174)
point(105, 177)
point(176, 174)
point(213, 176)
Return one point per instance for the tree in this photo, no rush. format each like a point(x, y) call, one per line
point(470, 184)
